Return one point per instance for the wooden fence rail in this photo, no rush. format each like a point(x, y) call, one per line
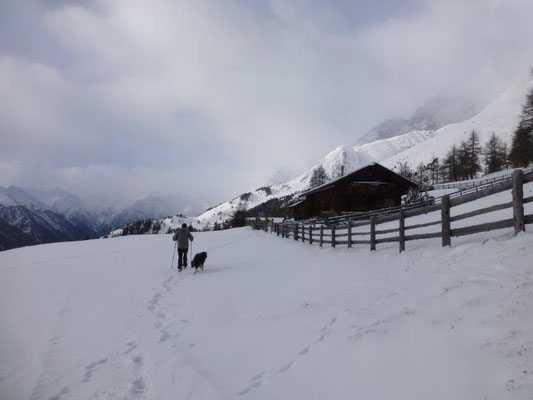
point(342, 232)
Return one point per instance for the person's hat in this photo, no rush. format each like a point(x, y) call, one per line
point(184, 225)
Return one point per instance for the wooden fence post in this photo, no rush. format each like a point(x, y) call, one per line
point(310, 234)
point(321, 235)
point(303, 232)
point(372, 233)
point(402, 230)
point(518, 198)
point(296, 232)
point(445, 219)
point(349, 233)
point(333, 236)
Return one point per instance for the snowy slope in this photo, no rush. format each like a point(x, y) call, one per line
point(39, 220)
point(158, 206)
point(343, 156)
point(71, 206)
point(387, 148)
point(268, 319)
point(501, 117)
point(434, 114)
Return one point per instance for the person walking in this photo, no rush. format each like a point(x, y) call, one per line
point(182, 236)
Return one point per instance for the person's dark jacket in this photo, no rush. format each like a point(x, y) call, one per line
point(183, 235)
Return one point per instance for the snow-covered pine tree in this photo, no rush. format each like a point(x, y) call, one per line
point(318, 178)
point(521, 154)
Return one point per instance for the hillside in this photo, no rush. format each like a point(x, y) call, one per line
point(109, 319)
point(437, 112)
point(38, 221)
point(31, 216)
point(501, 117)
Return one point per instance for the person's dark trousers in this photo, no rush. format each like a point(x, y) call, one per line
point(182, 258)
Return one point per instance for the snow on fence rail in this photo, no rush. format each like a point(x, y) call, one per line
point(477, 183)
point(343, 233)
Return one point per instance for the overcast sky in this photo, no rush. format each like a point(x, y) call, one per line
point(113, 99)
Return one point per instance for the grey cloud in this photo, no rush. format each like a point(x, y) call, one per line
point(123, 97)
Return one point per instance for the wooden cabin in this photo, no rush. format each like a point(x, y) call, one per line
point(368, 188)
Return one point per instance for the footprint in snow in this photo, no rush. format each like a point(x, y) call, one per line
point(89, 369)
point(286, 367)
point(138, 387)
point(138, 361)
point(254, 384)
point(65, 390)
point(130, 347)
point(164, 337)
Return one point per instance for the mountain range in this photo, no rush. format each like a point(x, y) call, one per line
point(30, 216)
point(389, 144)
point(437, 112)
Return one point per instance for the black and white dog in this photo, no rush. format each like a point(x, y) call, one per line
point(199, 260)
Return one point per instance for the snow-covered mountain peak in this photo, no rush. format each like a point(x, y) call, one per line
point(279, 175)
point(345, 156)
point(435, 113)
point(59, 200)
point(501, 116)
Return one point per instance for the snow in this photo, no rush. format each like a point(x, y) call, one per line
point(343, 156)
point(501, 117)
point(270, 318)
point(419, 146)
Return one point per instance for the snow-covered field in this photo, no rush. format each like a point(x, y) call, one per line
point(268, 319)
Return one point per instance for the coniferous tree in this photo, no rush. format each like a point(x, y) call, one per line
point(494, 154)
point(463, 160)
point(434, 171)
point(505, 156)
point(405, 170)
point(318, 178)
point(474, 153)
point(422, 175)
point(238, 218)
point(451, 164)
point(521, 154)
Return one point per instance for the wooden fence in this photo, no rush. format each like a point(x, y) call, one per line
point(461, 191)
point(342, 232)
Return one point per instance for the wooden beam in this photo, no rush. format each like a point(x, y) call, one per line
point(349, 233)
point(518, 198)
point(481, 211)
point(445, 219)
point(489, 226)
point(373, 234)
point(401, 230)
